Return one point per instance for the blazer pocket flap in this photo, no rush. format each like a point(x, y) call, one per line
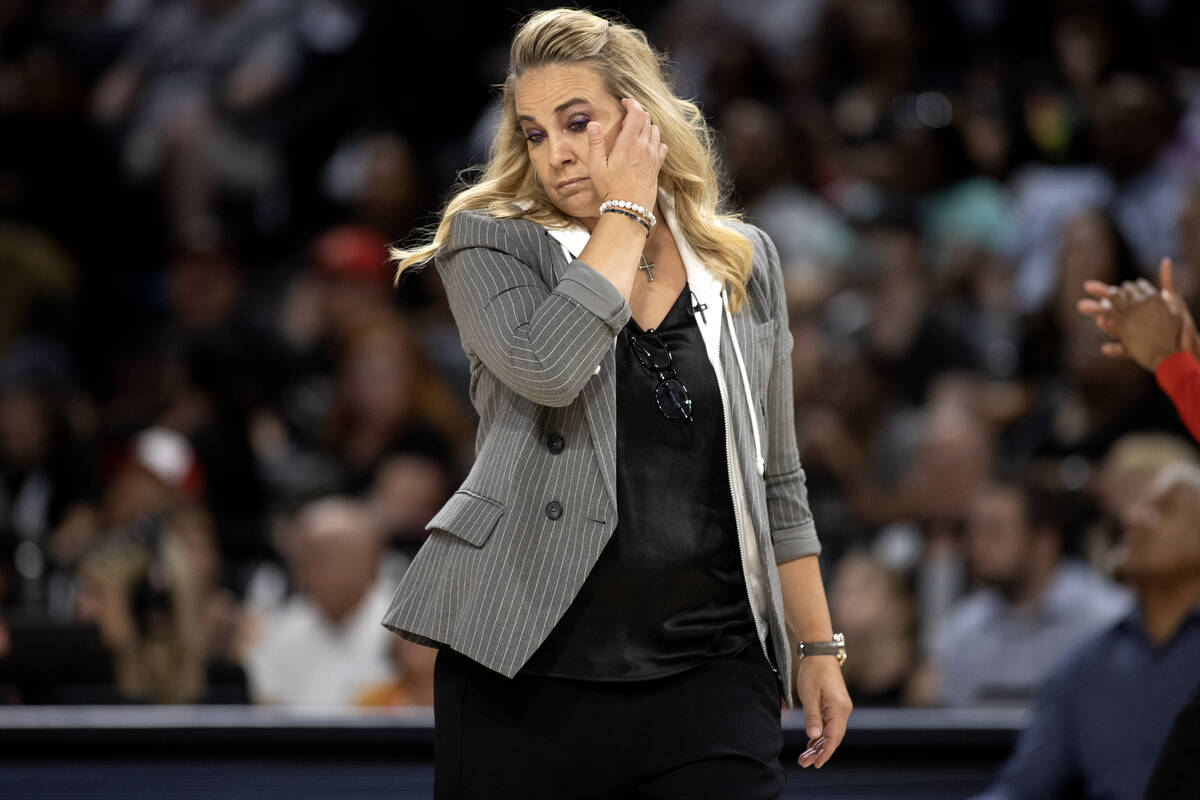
point(471, 517)
point(762, 330)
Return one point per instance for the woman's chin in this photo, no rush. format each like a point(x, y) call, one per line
point(577, 206)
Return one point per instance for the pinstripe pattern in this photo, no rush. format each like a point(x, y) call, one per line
point(497, 572)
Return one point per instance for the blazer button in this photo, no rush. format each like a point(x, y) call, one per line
point(554, 509)
point(555, 442)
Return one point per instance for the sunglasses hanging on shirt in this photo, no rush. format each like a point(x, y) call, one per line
point(670, 394)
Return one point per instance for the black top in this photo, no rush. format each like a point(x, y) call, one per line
point(667, 592)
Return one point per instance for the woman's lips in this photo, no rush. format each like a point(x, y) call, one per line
point(571, 184)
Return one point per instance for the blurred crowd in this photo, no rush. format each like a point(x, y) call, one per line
point(222, 429)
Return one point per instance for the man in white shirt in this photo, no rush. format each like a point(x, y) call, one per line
point(325, 645)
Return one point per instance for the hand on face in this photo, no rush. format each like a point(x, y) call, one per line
point(585, 146)
point(629, 170)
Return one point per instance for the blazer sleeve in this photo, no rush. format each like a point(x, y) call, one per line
point(793, 531)
point(543, 343)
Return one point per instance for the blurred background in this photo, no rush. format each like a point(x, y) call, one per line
point(222, 430)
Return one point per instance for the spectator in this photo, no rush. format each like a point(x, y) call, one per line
point(358, 371)
point(1132, 463)
point(414, 663)
point(1084, 402)
point(345, 278)
point(1133, 121)
point(875, 608)
point(388, 397)
point(1032, 604)
point(183, 96)
point(1101, 717)
point(159, 473)
point(325, 646)
point(218, 611)
point(49, 487)
point(407, 490)
point(374, 175)
point(771, 176)
point(1126, 470)
point(39, 279)
point(138, 585)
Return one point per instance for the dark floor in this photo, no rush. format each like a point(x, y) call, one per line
point(349, 780)
point(192, 752)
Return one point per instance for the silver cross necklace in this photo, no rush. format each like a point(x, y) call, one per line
point(648, 266)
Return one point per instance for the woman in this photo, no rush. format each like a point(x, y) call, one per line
point(141, 589)
point(616, 379)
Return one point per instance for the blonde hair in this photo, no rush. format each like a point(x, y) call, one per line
point(1147, 453)
point(165, 663)
point(629, 67)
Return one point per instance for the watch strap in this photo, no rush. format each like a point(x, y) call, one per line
point(833, 647)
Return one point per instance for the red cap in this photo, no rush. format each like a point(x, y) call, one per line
point(352, 251)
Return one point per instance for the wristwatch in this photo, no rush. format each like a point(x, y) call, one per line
point(835, 647)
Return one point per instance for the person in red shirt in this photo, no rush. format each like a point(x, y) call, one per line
point(1154, 328)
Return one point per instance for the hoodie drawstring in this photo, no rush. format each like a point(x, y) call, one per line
point(759, 463)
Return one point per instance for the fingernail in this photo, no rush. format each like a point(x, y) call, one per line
point(814, 731)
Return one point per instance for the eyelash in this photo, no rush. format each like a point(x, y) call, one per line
point(577, 125)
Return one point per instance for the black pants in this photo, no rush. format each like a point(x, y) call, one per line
point(712, 731)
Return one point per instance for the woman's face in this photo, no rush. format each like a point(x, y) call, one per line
point(555, 103)
point(378, 379)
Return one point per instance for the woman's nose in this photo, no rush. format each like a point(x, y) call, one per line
point(561, 151)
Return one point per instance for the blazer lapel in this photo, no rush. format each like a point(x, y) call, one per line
point(599, 394)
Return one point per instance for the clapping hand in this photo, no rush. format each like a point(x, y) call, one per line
point(1149, 324)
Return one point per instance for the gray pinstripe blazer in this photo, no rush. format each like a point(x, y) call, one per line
point(508, 552)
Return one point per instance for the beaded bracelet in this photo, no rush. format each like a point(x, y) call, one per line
point(634, 207)
point(633, 217)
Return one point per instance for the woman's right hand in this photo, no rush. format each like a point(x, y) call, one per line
point(630, 170)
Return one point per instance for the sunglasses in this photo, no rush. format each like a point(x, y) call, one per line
point(670, 394)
